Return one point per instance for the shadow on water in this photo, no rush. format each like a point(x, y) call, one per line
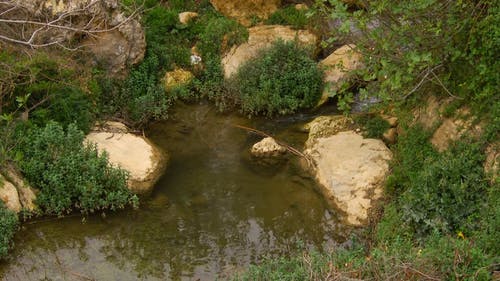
point(214, 212)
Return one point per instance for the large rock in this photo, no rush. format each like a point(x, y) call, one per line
point(27, 194)
point(338, 68)
point(9, 195)
point(259, 38)
point(244, 11)
point(120, 41)
point(350, 170)
point(143, 160)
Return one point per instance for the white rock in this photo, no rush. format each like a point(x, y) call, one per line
point(9, 195)
point(143, 160)
point(351, 171)
point(267, 147)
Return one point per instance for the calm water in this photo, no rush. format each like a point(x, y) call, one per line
point(213, 213)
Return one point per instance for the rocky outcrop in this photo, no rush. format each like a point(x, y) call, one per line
point(177, 78)
point(267, 147)
point(338, 68)
point(186, 17)
point(136, 154)
point(9, 195)
point(245, 11)
point(120, 40)
point(350, 169)
point(259, 38)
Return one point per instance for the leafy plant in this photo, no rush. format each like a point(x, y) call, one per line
point(374, 126)
point(9, 224)
point(71, 175)
point(289, 16)
point(280, 80)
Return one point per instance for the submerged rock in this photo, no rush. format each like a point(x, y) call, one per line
point(259, 38)
point(246, 11)
point(349, 168)
point(136, 154)
point(338, 68)
point(267, 147)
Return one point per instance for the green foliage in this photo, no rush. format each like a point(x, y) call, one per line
point(8, 227)
point(69, 174)
point(289, 16)
point(373, 126)
point(281, 80)
point(454, 50)
point(44, 87)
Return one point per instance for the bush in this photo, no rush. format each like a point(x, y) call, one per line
point(289, 16)
point(69, 174)
point(374, 126)
point(281, 80)
point(454, 50)
point(8, 227)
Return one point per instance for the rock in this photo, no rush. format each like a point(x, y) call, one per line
point(390, 136)
point(259, 38)
point(9, 195)
point(177, 78)
point(392, 120)
point(143, 160)
point(492, 161)
point(451, 129)
point(351, 171)
point(301, 7)
point(267, 147)
point(122, 40)
point(338, 67)
point(27, 194)
point(325, 126)
point(186, 17)
point(245, 11)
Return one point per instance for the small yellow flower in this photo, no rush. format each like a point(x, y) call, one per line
point(460, 235)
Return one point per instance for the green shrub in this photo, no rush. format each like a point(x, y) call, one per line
point(281, 80)
point(289, 16)
point(218, 33)
point(8, 227)
point(69, 174)
point(374, 126)
point(446, 194)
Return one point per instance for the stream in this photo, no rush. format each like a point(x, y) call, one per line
point(213, 213)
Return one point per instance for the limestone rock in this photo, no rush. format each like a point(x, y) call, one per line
point(259, 38)
point(186, 17)
point(390, 135)
point(121, 43)
point(244, 11)
point(9, 195)
point(267, 147)
point(492, 161)
point(144, 161)
point(351, 171)
point(325, 126)
point(453, 128)
point(177, 78)
point(301, 7)
point(27, 194)
point(338, 67)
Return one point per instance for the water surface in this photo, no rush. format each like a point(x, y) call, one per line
point(214, 212)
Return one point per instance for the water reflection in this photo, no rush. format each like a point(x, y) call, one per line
point(213, 213)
